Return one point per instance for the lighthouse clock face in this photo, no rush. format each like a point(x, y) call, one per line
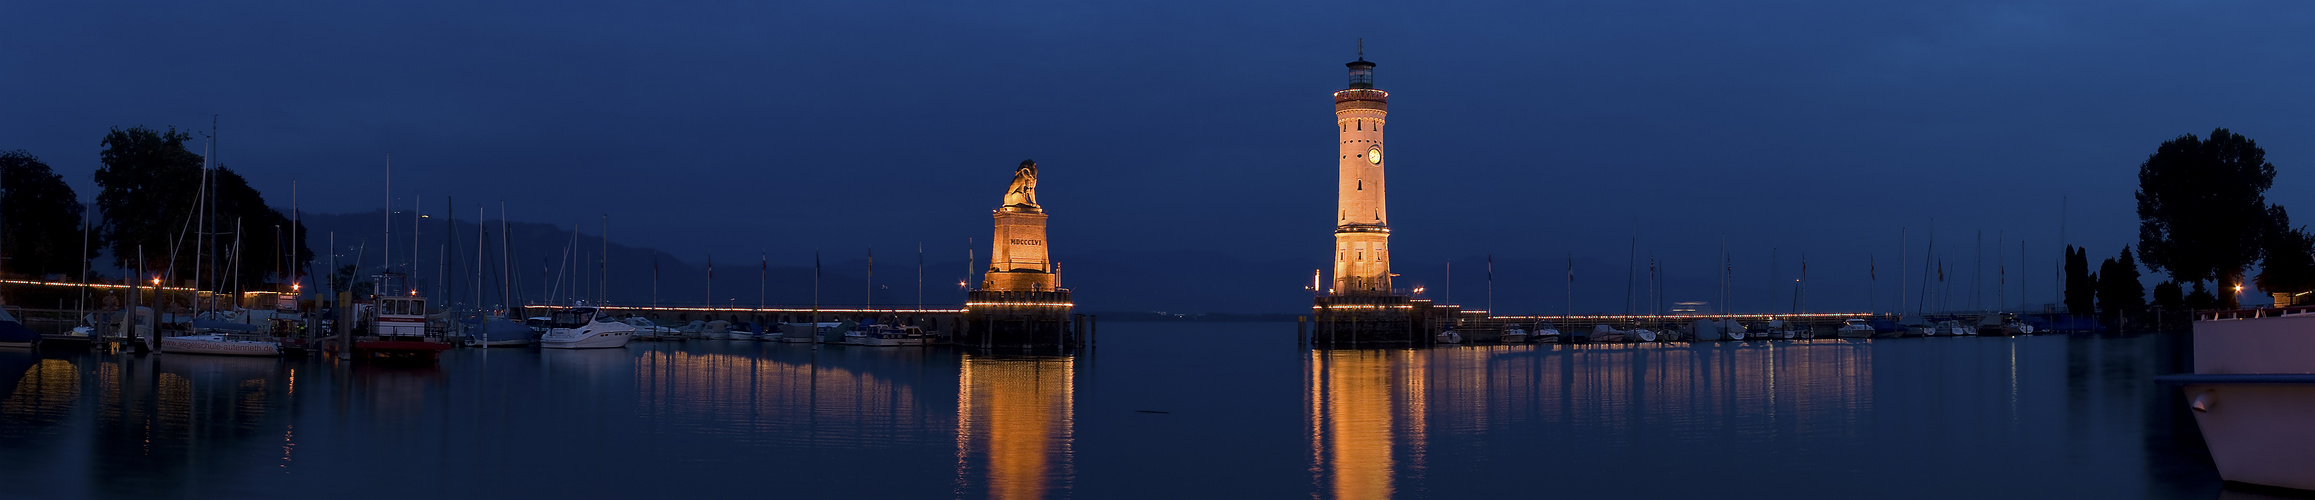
point(1374, 155)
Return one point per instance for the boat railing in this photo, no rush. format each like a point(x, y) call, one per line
point(2254, 313)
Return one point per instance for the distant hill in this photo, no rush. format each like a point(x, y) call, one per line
point(547, 265)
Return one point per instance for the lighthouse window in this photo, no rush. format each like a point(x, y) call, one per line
point(1362, 184)
point(1362, 125)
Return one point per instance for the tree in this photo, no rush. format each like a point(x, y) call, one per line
point(42, 222)
point(2202, 207)
point(349, 278)
point(2081, 286)
point(2289, 262)
point(2201, 298)
point(258, 238)
point(2168, 297)
point(151, 186)
point(2119, 292)
point(147, 185)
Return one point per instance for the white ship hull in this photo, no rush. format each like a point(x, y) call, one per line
point(218, 345)
point(2253, 394)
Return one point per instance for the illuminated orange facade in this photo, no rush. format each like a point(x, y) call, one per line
point(1362, 229)
point(1018, 261)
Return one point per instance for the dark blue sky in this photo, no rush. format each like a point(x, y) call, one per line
point(1197, 132)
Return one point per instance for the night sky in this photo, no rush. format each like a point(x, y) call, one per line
point(1196, 134)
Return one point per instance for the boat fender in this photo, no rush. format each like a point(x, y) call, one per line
point(2202, 402)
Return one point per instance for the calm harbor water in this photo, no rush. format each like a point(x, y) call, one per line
point(1162, 410)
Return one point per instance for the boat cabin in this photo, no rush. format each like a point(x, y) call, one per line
point(398, 317)
point(572, 317)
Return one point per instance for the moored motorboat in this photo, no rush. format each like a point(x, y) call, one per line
point(1514, 335)
point(1545, 333)
point(2252, 392)
point(395, 328)
point(716, 330)
point(1855, 329)
point(220, 344)
point(1605, 333)
point(584, 327)
point(1450, 336)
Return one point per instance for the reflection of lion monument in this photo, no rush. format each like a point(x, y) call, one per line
point(1023, 192)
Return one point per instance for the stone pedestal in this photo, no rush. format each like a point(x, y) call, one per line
point(1020, 303)
point(1374, 321)
point(996, 319)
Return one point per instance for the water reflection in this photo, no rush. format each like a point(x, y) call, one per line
point(1016, 424)
point(1379, 419)
point(2035, 416)
point(1359, 402)
point(792, 394)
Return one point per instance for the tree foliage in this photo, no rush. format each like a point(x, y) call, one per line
point(42, 218)
point(2201, 298)
point(146, 191)
point(2202, 206)
point(2289, 263)
point(255, 236)
point(2119, 291)
point(2081, 286)
point(2168, 296)
point(151, 186)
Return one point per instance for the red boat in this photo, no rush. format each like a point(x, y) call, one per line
point(395, 329)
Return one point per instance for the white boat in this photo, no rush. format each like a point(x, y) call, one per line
point(1856, 329)
point(220, 344)
point(1514, 335)
point(716, 330)
point(1449, 337)
point(1545, 333)
point(2253, 392)
point(1735, 330)
point(691, 331)
point(585, 328)
point(885, 336)
point(1605, 333)
point(805, 332)
point(1645, 335)
point(646, 330)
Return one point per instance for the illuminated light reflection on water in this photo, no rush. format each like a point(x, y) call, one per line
point(1165, 410)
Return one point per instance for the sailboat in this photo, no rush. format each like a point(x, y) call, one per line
point(13, 333)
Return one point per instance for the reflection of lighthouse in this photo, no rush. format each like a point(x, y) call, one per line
point(1361, 403)
point(1015, 426)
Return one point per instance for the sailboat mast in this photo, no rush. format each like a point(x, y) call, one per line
point(481, 236)
point(605, 269)
point(389, 246)
point(505, 256)
point(417, 204)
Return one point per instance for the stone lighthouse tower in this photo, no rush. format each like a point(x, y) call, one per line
point(1360, 308)
point(1362, 229)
